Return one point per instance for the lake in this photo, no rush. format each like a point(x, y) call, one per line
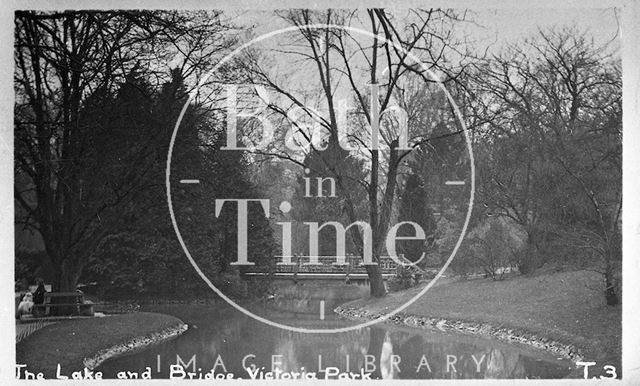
point(228, 342)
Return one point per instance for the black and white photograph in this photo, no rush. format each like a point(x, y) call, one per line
point(342, 192)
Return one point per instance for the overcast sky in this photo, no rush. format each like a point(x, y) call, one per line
point(498, 25)
point(510, 25)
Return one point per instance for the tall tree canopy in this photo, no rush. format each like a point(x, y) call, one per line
point(73, 178)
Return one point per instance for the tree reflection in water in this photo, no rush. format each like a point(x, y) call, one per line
point(386, 352)
point(504, 365)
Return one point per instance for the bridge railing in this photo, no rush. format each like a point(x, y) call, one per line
point(352, 264)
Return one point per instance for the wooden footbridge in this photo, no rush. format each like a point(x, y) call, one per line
point(351, 270)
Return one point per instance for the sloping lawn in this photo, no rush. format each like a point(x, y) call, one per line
point(68, 343)
point(565, 306)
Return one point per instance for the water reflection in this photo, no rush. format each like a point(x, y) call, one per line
point(227, 342)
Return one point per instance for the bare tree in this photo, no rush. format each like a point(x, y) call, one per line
point(553, 146)
point(341, 63)
point(590, 153)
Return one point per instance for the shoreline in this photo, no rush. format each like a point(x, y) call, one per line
point(482, 329)
point(135, 344)
point(87, 343)
point(561, 312)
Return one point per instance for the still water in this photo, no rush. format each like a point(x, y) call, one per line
point(225, 340)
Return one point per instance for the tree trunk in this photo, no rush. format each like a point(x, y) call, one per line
point(66, 277)
point(610, 289)
point(376, 283)
point(65, 280)
point(532, 259)
point(380, 221)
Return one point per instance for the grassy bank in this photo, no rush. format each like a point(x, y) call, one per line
point(68, 343)
point(564, 306)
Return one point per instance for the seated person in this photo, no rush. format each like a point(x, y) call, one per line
point(25, 306)
point(38, 295)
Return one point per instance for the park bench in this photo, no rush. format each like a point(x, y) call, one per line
point(63, 304)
